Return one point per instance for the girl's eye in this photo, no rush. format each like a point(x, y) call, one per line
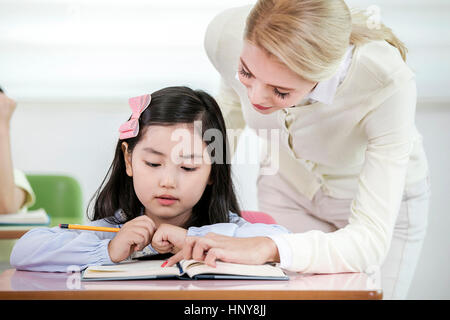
point(244, 73)
point(153, 165)
point(279, 94)
point(188, 169)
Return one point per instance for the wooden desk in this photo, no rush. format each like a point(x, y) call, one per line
point(13, 232)
point(61, 286)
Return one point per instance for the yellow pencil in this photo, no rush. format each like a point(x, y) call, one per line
point(91, 228)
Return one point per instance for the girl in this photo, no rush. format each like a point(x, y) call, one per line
point(157, 190)
point(353, 175)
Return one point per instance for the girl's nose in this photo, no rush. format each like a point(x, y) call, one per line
point(168, 179)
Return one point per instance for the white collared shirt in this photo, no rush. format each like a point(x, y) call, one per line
point(325, 90)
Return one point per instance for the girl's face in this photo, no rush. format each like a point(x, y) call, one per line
point(169, 173)
point(271, 86)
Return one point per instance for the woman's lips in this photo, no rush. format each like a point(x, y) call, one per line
point(259, 107)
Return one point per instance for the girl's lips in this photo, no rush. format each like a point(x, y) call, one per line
point(166, 199)
point(259, 107)
point(166, 202)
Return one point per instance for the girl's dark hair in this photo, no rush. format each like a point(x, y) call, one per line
point(170, 106)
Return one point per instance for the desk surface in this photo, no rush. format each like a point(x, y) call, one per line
point(17, 231)
point(44, 285)
point(14, 232)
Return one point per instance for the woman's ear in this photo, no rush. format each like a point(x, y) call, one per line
point(127, 158)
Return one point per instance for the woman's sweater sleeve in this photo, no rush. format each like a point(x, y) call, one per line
point(55, 249)
point(365, 241)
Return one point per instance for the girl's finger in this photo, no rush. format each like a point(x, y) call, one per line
point(147, 225)
point(163, 250)
point(145, 237)
point(140, 238)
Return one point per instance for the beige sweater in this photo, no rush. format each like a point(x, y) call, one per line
point(364, 146)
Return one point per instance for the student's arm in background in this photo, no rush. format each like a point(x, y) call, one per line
point(12, 198)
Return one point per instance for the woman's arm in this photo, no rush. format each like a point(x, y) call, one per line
point(238, 227)
point(212, 247)
point(224, 240)
point(365, 241)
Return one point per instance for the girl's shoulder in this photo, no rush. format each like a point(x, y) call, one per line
point(234, 217)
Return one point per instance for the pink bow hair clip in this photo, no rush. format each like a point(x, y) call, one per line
point(130, 129)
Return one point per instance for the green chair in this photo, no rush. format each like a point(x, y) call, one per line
point(60, 196)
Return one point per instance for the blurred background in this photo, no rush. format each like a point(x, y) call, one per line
point(72, 65)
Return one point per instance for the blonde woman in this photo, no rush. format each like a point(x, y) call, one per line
point(352, 182)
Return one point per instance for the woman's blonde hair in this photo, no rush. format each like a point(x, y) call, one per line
point(311, 36)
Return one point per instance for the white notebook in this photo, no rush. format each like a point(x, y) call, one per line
point(35, 217)
point(185, 269)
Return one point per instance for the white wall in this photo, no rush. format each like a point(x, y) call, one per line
point(71, 65)
point(432, 279)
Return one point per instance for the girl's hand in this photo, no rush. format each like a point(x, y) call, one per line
point(134, 235)
point(168, 238)
point(212, 247)
point(7, 106)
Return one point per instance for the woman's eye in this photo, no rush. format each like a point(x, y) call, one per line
point(244, 73)
point(281, 95)
point(188, 169)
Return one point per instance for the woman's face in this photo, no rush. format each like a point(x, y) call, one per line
point(271, 85)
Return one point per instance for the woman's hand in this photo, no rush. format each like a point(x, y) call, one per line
point(212, 247)
point(168, 238)
point(134, 235)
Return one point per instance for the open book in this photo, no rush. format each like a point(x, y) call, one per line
point(35, 217)
point(185, 269)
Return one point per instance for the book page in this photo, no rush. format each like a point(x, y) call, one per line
point(30, 217)
point(192, 268)
point(130, 269)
